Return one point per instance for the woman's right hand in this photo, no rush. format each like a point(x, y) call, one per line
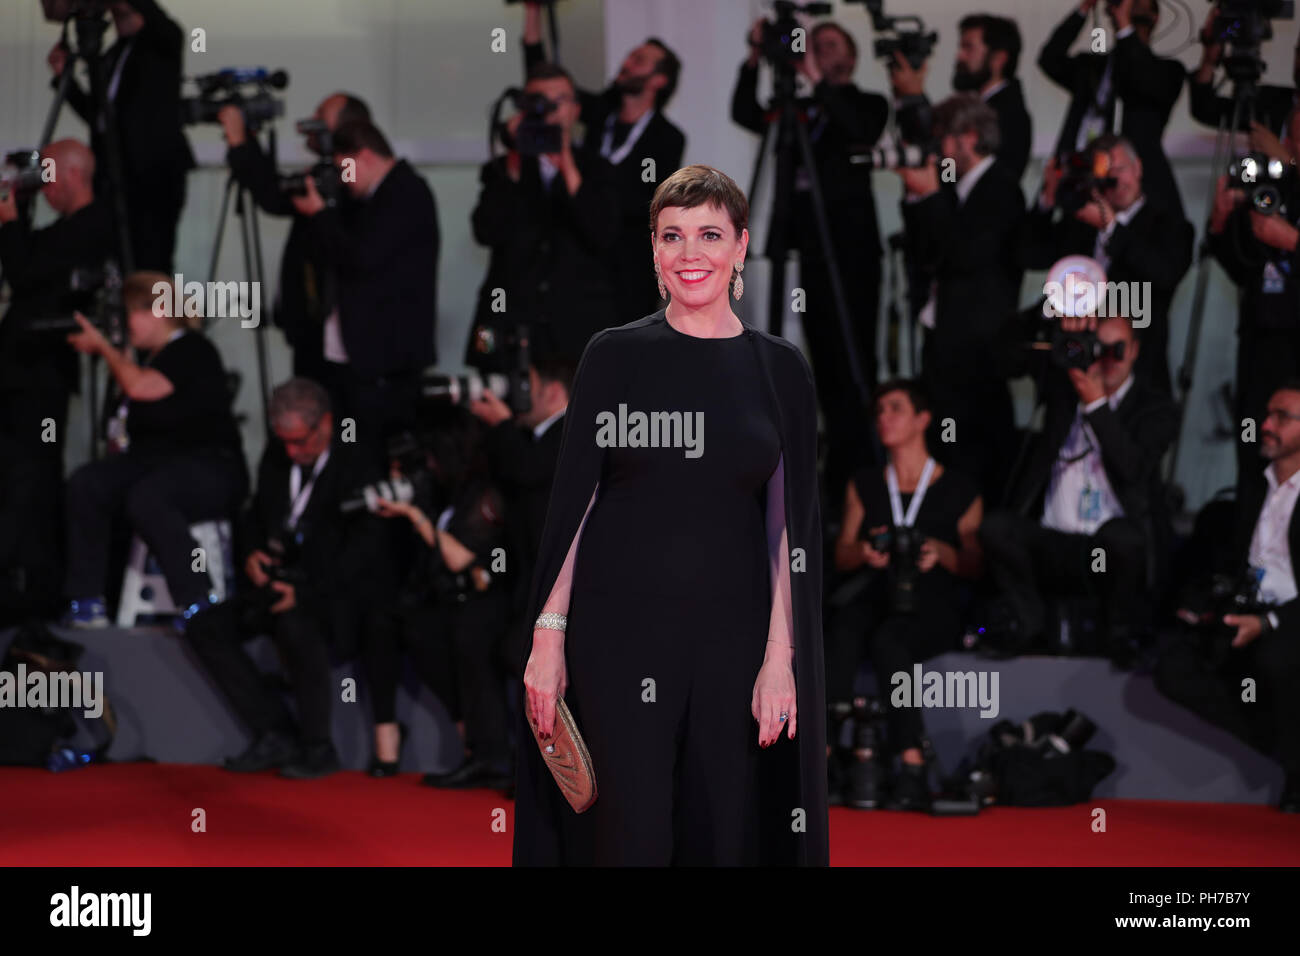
point(874, 558)
point(545, 678)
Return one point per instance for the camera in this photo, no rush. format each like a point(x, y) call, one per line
point(247, 88)
point(534, 136)
point(501, 362)
point(915, 43)
point(903, 544)
point(1081, 349)
point(1082, 173)
point(1262, 179)
point(1243, 26)
point(20, 176)
point(1204, 607)
point(776, 41)
point(901, 155)
point(102, 288)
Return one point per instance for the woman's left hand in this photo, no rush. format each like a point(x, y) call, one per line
point(89, 340)
point(929, 555)
point(773, 696)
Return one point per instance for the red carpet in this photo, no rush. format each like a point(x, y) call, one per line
point(140, 815)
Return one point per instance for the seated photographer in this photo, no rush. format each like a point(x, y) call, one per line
point(1206, 669)
point(307, 295)
point(1134, 241)
point(383, 249)
point(38, 372)
point(452, 612)
point(914, 523)
point(552, 223)
point(966, 241)
point(178, 460)
point(1091, 481)
point(988, 52)
point(1128, 76)
point(523, 453)
point(316, 573)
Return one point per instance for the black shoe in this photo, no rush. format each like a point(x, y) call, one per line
point(386, 768)
point(472, 774)
point(911, 788)
point(317, 760)
point(1290, 802)
point(267, 752)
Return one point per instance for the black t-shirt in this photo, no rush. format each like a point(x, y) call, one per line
point(195, 418)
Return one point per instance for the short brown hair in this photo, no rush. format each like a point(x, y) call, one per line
point(351, 138)
point(138, 294)
point(700, 185)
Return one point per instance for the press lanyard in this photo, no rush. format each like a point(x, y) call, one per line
point(299, 498)
point(618, 155)
point(896, 501)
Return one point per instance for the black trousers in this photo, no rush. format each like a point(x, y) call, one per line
point(1271, 723)
point(1028, 560)
point(380, 407)
point(217, 638)
point(895, 642)
point(161, 498)
point(31, 485)
point(453, 647)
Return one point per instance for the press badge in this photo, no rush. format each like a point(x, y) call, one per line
point(1090, 504)
point(1274, 282)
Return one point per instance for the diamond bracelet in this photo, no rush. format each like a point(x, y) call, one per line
point(550, 621)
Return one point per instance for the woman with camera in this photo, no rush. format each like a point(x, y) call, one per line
point(452, 611)
point(175, 452)
point(914, 523)
point(678, 587)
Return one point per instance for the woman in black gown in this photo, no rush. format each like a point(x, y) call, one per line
point(680, 577)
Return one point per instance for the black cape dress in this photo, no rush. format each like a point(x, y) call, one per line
point(793, 827)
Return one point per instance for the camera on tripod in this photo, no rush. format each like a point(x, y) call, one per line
point(20, 176)
point(247, 88)
point(776, 41)
point(914, 43)
point(1243, 26)
point(323, 173)
point(903, 545)
point(534, 136)
point(1263, 179)
point(1082, 174)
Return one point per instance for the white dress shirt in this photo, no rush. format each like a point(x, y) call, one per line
point(1080, 498)
point(1270, 547)
point(540, 428)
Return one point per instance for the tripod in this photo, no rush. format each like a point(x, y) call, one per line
point(251, 242)
point(90, 27)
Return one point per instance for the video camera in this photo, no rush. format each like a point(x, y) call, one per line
point(534, 136)
point(776, 42)
point(231, 87)
point(323, 173)
point(915, 43)
point(1243, 26)
point(1082, 174)
point(20, 176)
point(1262, 179)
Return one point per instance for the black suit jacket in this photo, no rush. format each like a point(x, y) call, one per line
point(1155, 247)
point(384, 251)
point(343, 556)
point(554, 255)
point(636, 287)
point(1014, 125)
point(973, 251)
point(1147, 84)
point(1252, 491)
point(841, 119)
point(155, 152)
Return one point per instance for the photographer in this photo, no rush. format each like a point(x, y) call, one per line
point(1130, 77)
point(1258, 250)
point(552, 224)
point(315, 572)
point(626, 126)
point(1264, 646)
point(179, 457)
point(988, 53)
point(142, 72)
point(841, 119)
point(452, 612)
point(307, 295)
point(523, 452)
point(1272, 105)
point(1134, 241)
point(914, 523)
point(383, 249)
point(1091, 481)
point(37, 370)
point(966, 241)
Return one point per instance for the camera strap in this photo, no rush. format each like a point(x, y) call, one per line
point(300, 494)
point(895, 499)
point(616, 156)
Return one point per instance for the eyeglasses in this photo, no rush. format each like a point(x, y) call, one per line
point(1280, 415)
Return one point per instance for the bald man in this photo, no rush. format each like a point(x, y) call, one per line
point(306, 297)
point(39, 371)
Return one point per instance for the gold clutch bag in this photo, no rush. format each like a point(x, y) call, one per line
point(567, 758)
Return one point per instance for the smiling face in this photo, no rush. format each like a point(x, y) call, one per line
point(696, 250)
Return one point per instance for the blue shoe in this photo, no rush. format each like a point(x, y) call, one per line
point(88, 614)
point(182, 620)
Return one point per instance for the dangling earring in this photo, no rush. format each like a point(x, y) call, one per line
point(738, 284)
point(663, 293)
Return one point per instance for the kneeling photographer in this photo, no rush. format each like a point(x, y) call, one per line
point(914, 523)
point(1091, 483)
point(315, 571)
point(452, 610)
point(1259, 636)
